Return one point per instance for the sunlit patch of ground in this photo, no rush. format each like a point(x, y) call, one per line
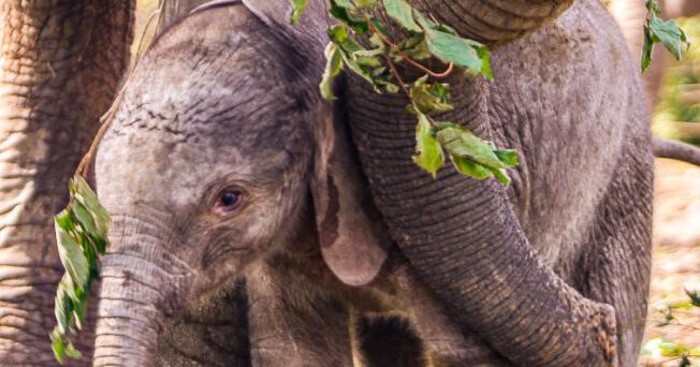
point(676, 260)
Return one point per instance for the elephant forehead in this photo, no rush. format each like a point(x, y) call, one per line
point(144, 168)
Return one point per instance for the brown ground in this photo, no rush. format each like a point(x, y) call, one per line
point(676, 257)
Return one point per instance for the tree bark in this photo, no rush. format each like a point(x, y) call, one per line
point(60, 66)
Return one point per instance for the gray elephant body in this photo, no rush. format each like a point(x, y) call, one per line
point(580, 205)
point(581, 196)
point(184, 137)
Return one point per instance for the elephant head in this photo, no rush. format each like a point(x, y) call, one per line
point(218, 150)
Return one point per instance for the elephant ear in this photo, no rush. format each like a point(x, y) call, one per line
point(353, 241)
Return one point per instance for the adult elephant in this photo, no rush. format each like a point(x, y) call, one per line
point(57, 79)
point(579, 210)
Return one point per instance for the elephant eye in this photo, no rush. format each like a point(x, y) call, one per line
point(228, 201)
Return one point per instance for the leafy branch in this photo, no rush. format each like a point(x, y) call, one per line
point(81, 237)
point(657, 31)
point(360, 23)
point(81, 233)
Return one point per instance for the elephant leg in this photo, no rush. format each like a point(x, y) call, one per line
point(615, 269)
point(295, 319)
point(60, 66)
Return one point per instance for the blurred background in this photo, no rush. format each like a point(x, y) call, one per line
point(673, 326)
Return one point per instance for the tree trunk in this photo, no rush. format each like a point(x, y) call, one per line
point(60, 63)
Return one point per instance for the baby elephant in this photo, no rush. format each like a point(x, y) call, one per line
point(223, 162)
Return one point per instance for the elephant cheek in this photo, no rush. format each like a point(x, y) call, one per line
point(139, 284)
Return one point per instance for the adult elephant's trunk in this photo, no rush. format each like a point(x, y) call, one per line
point(494, 21)
point(138, 282)
point(467, 244)
point(61, 62)
point(463, 237)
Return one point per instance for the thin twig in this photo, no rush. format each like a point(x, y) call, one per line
point(107, 118)
point(396, 75)
point(408, 58)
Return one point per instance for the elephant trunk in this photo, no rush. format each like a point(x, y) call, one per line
point(138, 286)
point(465, 241)
point(494, 22)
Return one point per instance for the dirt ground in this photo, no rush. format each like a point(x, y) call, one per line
point(676, 263)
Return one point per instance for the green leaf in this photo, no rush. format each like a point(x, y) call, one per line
point(449, 47)
point(82, 193)
point(402, 12)
point(298, 9)
point(429, 98)
point(85, 219)
point(64, 304)
point(508, 156)
point(501, 175)
point(668, 33)
point(485, 56)
point(62, 347)
point(58, 345)
point(671, 35)
point(462, 143)
point(345, 12)
point(367, 4)
point(694, 296)
point(334, 64)
point(347, 4)
point(341, 36)
point(354, 57)
point(415, 47)
point(468, 167)
point(81, 234)
point(72, 352)
point(430, 156)
point(647, 49)
point(71, 253)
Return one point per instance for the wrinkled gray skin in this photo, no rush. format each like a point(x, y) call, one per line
point(56, 79)
point(521, 265)
point(579, 209)
point(183, 135)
